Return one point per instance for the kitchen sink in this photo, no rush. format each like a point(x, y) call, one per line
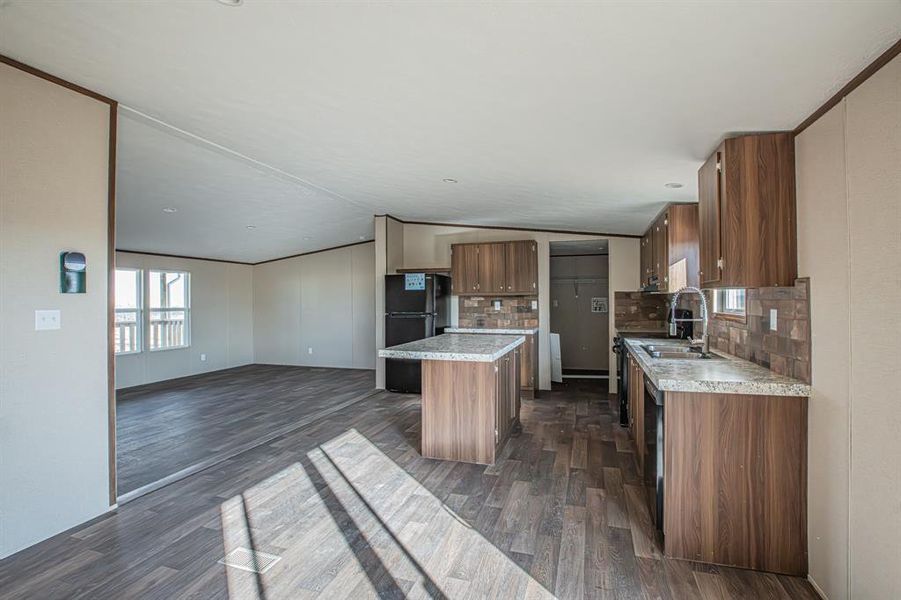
point(671, 351)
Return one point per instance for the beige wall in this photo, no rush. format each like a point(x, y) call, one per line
point(54, 469)
point(316, 310)
point(221, 321)
point(429, 246)
point(849, 219)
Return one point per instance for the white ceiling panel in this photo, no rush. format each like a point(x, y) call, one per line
point(552, 115)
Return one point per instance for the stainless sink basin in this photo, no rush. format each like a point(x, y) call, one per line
point(649, 348)
point(671, 351)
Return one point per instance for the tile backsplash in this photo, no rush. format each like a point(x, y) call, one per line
point(515, 312)
point(785, 351)
point(639, 312)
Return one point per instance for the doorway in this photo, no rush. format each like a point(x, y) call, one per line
point(579, 307)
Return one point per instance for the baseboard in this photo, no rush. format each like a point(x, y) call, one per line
point(817, 588)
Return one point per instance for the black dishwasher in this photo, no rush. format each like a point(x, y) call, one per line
point(654, 432)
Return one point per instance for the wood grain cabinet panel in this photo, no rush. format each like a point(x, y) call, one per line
point(661, 251)
point(469, 409)
point(495, 268)
point(636, 417)
point(709, 193)
point(682, 245)
point(492, 268)
point(646, 257)
point(747, 213)
point(528, 365)
point(671, 238)
point(464, 269)
point(735, 473)
point(522, 267)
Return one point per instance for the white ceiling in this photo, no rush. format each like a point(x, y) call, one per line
point(550, 115)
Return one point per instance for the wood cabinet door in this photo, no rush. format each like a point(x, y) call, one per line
point(709, 215)
point(492, 267)
point(527, 375)
point(638, 389)
point(464, 269)
point(645, 258)
point(515, 388)
point(661, 247)
point(522, 267)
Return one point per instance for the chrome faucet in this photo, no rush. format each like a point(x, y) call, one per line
point(705, 340)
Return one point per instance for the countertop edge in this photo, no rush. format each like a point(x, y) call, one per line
point(495, 331)
point(750, 388)
point(451, 356)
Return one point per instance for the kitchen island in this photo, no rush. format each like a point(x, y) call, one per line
point(723, 443)
point(470, 393)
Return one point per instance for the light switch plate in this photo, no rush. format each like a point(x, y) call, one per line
point(203, 358)
point(45, 320)
point(310, 350)
point(774, 319)
point(534, 304)
point(497, 304)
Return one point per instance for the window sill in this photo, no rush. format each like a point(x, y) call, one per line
point(170, 348)
point(132, 353)
point(731, 317)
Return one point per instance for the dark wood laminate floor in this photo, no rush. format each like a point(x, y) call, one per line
point(164, 427)
point(354, 511)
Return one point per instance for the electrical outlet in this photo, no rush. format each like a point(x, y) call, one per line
point(45, 320)
point(203, 358)
point(497, 304)
point(310, 350)
point(774, 319)
point(534, 304)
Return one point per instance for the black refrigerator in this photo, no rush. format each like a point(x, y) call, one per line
point(416, 307)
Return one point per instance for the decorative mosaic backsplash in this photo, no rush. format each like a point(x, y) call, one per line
point(785, 351)
point(639, 312)
point(515, 312)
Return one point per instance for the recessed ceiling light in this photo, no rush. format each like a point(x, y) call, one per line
point(449, 180)
point(251, 227)
point(362, 237)
point(231, 2)
point(672, 185)
point(170, 210)
point(306, 238)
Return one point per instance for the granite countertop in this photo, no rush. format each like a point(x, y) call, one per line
point(728, 375)
point(526, 331)
point(457, 347)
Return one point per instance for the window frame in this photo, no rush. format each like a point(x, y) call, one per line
point(139, 312)
point(732, 315)
point(186, 310)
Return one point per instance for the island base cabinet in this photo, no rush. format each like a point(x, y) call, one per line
point(469, 408)
point(735, 480)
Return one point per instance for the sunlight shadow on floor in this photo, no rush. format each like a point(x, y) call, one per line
point(348, 522)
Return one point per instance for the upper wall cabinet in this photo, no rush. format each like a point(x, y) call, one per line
point(669, 249)
point(746, 193)
point(522, 267)
point(495, 268)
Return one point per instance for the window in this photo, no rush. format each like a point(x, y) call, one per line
point(129, 317)
point(729, 302)
point(169, 294)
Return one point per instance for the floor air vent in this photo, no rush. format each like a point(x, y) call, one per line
point(246, 559)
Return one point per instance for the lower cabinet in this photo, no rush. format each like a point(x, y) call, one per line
point(528, 366)
point(733, 489)
point(637, 424)
point(507, 396)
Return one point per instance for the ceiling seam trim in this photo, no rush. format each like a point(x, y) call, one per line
point(234, 153)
